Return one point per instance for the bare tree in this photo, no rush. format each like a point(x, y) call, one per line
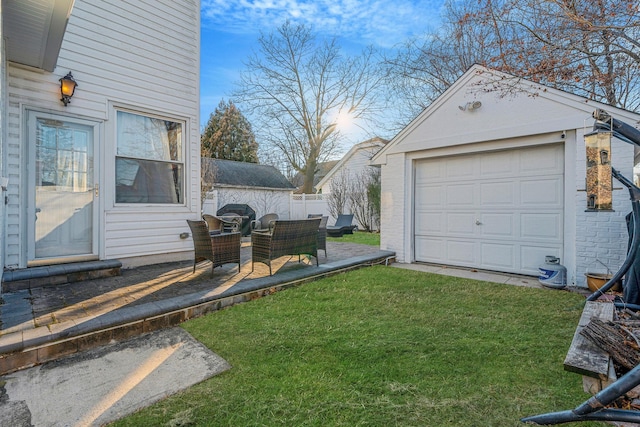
point(374, 196)
point(589, 48)
point(583, 46)
point(358, 200)
point(423, 67)
point(364, 198)
point(295, 88)
point(339, 196)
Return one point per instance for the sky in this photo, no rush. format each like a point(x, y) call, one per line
point(230, 29)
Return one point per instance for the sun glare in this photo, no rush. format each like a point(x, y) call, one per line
point(344, 121)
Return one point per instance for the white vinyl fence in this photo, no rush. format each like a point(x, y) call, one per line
point(302, 205)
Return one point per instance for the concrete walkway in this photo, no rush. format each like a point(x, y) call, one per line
point(468, 273)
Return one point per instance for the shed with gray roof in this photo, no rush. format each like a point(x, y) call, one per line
point(262, 187)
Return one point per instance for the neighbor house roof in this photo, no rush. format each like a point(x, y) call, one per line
point(243, 174)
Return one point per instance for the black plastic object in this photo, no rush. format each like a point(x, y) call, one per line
point(244, 211)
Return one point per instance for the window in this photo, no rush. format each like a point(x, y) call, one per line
point(149, 165)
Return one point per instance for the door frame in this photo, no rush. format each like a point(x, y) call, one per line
point(28, 209)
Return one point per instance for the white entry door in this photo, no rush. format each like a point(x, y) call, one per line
point(62, 190)
point(500, 211)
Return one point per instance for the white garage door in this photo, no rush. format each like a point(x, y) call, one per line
point(500, 211)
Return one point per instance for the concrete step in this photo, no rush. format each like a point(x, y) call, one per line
point(51, 275)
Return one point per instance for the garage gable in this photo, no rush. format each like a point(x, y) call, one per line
point(486, 105)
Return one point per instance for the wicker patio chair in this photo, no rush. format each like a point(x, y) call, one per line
point(218, 225)
point(263, 222)
point(322, 232)
point(322, 235)
point(287, 237)
point(220, 248)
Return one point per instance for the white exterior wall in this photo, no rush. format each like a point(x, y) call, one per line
point(141, 55)
point(394, 225)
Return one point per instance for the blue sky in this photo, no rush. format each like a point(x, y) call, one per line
point(230, 29)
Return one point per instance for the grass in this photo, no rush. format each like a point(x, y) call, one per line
point(362, 237)
point(383, 346)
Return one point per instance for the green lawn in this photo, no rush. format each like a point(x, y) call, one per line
point(383, 346)
point(362, 237)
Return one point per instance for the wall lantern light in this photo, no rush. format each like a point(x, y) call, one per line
point(67, 88)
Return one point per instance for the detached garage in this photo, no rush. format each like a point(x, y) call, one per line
point(495, 181)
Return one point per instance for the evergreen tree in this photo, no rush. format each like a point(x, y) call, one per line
point(229, 136)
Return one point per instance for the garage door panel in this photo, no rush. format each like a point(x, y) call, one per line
point(435, 172)
point(461, 223)
point(430, 248)
point(498, 164)
point(497, 194)
point(542, 193)
point(461, 252)
point(432, 222)
point(498, 210)
point(497, 225)
point(430, 197)
point(457, 169)
point(461, 195)
point(541, 226)
point(498, 256)
point(542, 161)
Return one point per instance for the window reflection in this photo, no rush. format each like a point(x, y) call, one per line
point(149, 166)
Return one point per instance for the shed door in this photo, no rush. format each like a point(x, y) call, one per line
point(500, 211)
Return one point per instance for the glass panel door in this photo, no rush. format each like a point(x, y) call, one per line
point(63, 188)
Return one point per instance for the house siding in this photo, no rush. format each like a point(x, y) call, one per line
point(143, 56)
point(355, 165)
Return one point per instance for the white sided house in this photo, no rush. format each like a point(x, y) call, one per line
point(354, 167)
point(114, 173)
point(355, 163)
point(492, 176)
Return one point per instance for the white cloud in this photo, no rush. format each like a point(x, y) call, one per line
point(379, 22)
